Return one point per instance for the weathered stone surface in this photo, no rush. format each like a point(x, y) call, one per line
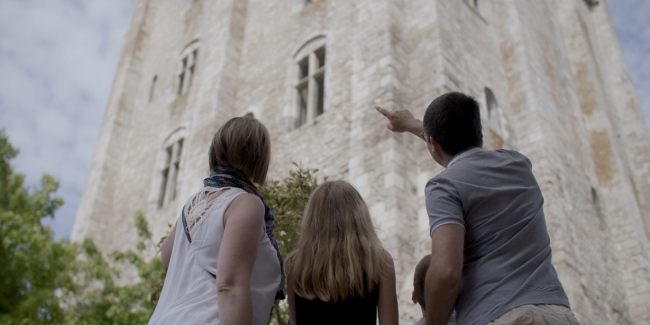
point(555, 67)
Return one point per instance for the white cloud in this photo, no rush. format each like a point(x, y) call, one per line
point(58, 58)
point(632, 22)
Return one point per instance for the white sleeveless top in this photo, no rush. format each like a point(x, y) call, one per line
point(189, 295)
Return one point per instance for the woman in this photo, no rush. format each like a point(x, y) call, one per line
point(223, 265)
point(340, 273)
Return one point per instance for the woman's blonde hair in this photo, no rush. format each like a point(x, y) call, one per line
point(243, 143)
point(339, 253)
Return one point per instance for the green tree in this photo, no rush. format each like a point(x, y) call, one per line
point(110, 303)
point(43, 281)
point(32, 265)
point(287, 200)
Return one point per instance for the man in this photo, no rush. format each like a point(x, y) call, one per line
point(490, 250)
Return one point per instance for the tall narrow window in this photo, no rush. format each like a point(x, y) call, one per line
point(311, 86)
point(186, 71)
point(153, 87)
point(181, 76)
point(170, 172)
point(165, 177)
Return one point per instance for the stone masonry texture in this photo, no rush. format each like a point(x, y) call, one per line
point(563, 98)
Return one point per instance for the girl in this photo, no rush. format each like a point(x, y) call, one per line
point(340, 273)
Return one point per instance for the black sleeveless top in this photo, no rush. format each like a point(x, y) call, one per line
point(354, 310)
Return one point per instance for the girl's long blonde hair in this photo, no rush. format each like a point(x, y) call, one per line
point(339, 253)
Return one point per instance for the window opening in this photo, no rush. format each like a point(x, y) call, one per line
point(153, 87)
point(181, 76)
point(170, 172)
point(304, 68)
point(320, 55)
point(165, 176)
point(191, 67)
point(186, 74)
point(311, 86)
point(320, 89)
point(303, 94)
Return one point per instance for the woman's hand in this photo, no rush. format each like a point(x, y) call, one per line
point(243, 224)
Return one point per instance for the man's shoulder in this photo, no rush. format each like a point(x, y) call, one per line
point(488, 158)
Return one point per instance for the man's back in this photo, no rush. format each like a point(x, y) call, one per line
point(507, 253)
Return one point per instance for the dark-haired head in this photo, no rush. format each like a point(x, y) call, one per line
point(454, 121)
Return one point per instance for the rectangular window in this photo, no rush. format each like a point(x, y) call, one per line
point(311, 86)
point(320, 55)
point(303, 68)
point(191, 67)
point(320, 93)
point(187, 70)
point(170, 172)
point(177, 161)
point(165, 177)
point(153, 87)
point(303, 97)
point(181, 76)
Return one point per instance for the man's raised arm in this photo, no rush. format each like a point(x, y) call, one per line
point(402, 120)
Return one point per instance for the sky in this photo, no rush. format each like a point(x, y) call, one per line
point(58, 60)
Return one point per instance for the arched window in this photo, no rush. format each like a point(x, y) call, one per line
point(187, 67)
point(170, 160)
point(310, 81)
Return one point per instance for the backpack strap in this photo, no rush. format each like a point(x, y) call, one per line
point(187, 233)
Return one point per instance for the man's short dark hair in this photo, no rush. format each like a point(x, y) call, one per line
point(418, 279)
point(454, 121)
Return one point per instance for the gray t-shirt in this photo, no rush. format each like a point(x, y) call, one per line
point(507, 254)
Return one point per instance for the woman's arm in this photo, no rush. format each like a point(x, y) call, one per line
point(166, 247)
point(243, 228)
point(291, 300)
point(387, 305)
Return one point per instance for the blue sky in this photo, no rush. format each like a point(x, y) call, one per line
point(58, 58)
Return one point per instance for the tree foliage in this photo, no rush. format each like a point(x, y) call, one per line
point(44, 281)
point(32, 265)
point(287, 199)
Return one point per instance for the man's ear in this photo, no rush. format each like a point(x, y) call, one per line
point(414, 297)
point(436, 146)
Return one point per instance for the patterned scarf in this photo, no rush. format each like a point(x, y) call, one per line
point(230, 177)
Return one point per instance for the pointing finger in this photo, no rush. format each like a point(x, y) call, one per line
point(382, 111)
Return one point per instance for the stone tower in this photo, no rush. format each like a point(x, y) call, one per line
point(549, 75)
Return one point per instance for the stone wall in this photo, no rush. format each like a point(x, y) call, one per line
point(564, 97)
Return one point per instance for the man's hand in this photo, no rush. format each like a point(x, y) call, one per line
point(402, 120)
